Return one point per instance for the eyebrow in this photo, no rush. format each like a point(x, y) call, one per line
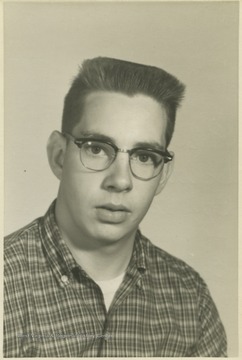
point(142, 144)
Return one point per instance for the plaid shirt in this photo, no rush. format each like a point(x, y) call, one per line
point(54, 309)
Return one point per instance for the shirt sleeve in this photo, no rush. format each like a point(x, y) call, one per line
point(212, 341)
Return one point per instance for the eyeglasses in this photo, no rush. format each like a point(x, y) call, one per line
point(98, 155)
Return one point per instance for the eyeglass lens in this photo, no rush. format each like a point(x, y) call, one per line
point(98, 156)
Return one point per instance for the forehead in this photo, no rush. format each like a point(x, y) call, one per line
point(127, 119)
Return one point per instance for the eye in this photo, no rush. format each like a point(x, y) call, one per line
point(145, 157)
point(96, 149)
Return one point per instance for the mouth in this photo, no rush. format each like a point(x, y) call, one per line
point(114, 208)
point(112, 214)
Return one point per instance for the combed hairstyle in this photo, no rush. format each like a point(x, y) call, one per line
point(107, 74)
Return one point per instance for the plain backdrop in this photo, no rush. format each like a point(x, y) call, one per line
point(195, 217)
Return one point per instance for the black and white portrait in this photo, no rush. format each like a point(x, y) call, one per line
point(121, 179)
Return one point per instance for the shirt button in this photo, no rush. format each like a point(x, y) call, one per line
point(64, 279)
point(107, 336)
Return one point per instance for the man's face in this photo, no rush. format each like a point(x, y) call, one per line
point(109, 205)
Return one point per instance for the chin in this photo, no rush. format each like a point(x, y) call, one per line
point(112, 234)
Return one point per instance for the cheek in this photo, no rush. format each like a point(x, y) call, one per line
point(80, 186)
point(145, 194)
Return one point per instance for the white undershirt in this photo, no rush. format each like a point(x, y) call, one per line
point(109, 288)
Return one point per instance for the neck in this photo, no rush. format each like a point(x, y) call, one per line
point(104, 263)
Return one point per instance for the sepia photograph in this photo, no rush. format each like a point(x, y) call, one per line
point(121, 179)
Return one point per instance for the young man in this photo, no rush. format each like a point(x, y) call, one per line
point(82, 280)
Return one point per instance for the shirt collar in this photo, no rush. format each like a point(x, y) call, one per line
point(140, 252)
point(60, 257)
point(57, 252)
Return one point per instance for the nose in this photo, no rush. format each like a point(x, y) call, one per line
point(118, 176)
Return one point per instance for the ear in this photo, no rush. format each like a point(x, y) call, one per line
point(56, 148)
point(166, 173)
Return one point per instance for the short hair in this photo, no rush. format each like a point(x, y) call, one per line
point(107, 74)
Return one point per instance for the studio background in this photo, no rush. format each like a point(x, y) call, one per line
point(195, 217)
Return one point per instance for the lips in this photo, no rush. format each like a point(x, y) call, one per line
point(112, 214)
point(113, 207)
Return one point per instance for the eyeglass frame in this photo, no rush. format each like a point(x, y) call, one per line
point(168, 156)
